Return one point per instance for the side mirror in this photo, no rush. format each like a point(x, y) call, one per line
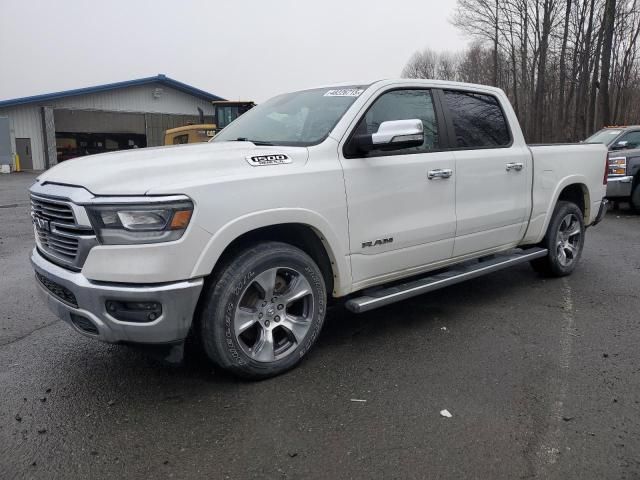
point(392, 135)
point(621, 145)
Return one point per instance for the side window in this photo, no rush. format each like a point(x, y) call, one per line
point(632, 139)
point(180, 139)
point(402, 105)
point(477, 119)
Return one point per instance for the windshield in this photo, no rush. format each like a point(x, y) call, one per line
point(297, 119)
point(606, 136)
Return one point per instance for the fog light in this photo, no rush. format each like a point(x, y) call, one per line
point(136, 312)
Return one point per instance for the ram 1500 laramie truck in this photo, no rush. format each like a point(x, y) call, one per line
point(374, 192)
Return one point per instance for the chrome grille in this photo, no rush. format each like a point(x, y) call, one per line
point(65, 246)
point(55, 210)
point(58, 236)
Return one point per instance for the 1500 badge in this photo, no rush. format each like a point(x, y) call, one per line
point(378, 242)
point(264, 160)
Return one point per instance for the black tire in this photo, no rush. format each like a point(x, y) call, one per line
point(634, 199)
point(226, 301)
point(555, 240)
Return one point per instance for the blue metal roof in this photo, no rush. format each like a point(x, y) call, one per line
point(160, 78)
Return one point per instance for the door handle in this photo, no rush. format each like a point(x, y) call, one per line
point(439, 173)
point(517, 166)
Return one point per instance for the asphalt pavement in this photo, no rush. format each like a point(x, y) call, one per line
point(541, 377)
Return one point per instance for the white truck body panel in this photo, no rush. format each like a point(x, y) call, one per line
point(493, 211)
point(213, 174)
point(556, 167)
point(419, 216)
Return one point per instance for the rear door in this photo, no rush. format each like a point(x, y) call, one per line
point(399, 219)
point(493, 174)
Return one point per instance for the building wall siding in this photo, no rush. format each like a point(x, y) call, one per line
point(26, 120)
point(138, 99)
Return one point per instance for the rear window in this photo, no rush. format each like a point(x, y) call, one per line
point(478, 120)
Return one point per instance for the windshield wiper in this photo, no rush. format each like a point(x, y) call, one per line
point(255, 142)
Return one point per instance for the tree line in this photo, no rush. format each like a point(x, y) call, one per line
point(569, 67)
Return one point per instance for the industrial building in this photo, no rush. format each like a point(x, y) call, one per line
point(46, 129)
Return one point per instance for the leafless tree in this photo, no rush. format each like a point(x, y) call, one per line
point(568, 66)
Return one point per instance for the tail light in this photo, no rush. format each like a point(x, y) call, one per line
point(605, 179)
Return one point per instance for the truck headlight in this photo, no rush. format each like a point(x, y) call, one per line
point(617, 165)
point(140, 223)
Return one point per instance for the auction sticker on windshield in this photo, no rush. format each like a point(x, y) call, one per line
point(344, 92)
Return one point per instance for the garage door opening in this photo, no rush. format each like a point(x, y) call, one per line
point(71, 145)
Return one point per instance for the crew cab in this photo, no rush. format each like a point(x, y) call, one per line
point(368, 192)
point(624, 163)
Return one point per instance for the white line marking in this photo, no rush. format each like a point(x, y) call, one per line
point(550, 443)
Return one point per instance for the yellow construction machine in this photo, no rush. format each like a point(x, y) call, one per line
point(225, 112)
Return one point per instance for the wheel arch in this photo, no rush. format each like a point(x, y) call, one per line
point(302, 229)
point(577, 193)
point(573, 189)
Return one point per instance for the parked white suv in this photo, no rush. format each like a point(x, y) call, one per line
point(328, 192)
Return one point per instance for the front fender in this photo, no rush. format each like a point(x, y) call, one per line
point(225, 235)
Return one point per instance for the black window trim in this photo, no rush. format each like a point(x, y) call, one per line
point(443, 134)
point(451, 129)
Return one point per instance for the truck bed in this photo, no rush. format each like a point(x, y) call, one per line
point(554, 167)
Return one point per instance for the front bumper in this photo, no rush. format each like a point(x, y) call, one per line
point(77, 300)
point(619, 187)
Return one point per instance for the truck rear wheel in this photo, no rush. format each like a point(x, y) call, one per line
point(564, 240)
point(263, 311)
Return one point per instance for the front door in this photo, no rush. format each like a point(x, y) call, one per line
point(23, 148)
point(493, 175)
point(400, 221)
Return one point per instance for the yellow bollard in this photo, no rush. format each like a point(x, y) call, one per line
point(17, 162)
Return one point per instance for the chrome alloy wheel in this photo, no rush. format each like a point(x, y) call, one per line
point(274, 314)
point(568, 240)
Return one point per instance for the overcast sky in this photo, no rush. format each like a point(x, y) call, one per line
point(237, 49)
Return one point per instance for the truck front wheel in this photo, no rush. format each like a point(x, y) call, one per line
point(564, 240)
point(263, 310)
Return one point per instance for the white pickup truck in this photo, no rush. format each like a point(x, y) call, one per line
point(373, 192)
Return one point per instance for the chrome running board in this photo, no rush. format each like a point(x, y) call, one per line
point(380, 296)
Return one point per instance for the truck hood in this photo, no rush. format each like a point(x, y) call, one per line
point(163, 169)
